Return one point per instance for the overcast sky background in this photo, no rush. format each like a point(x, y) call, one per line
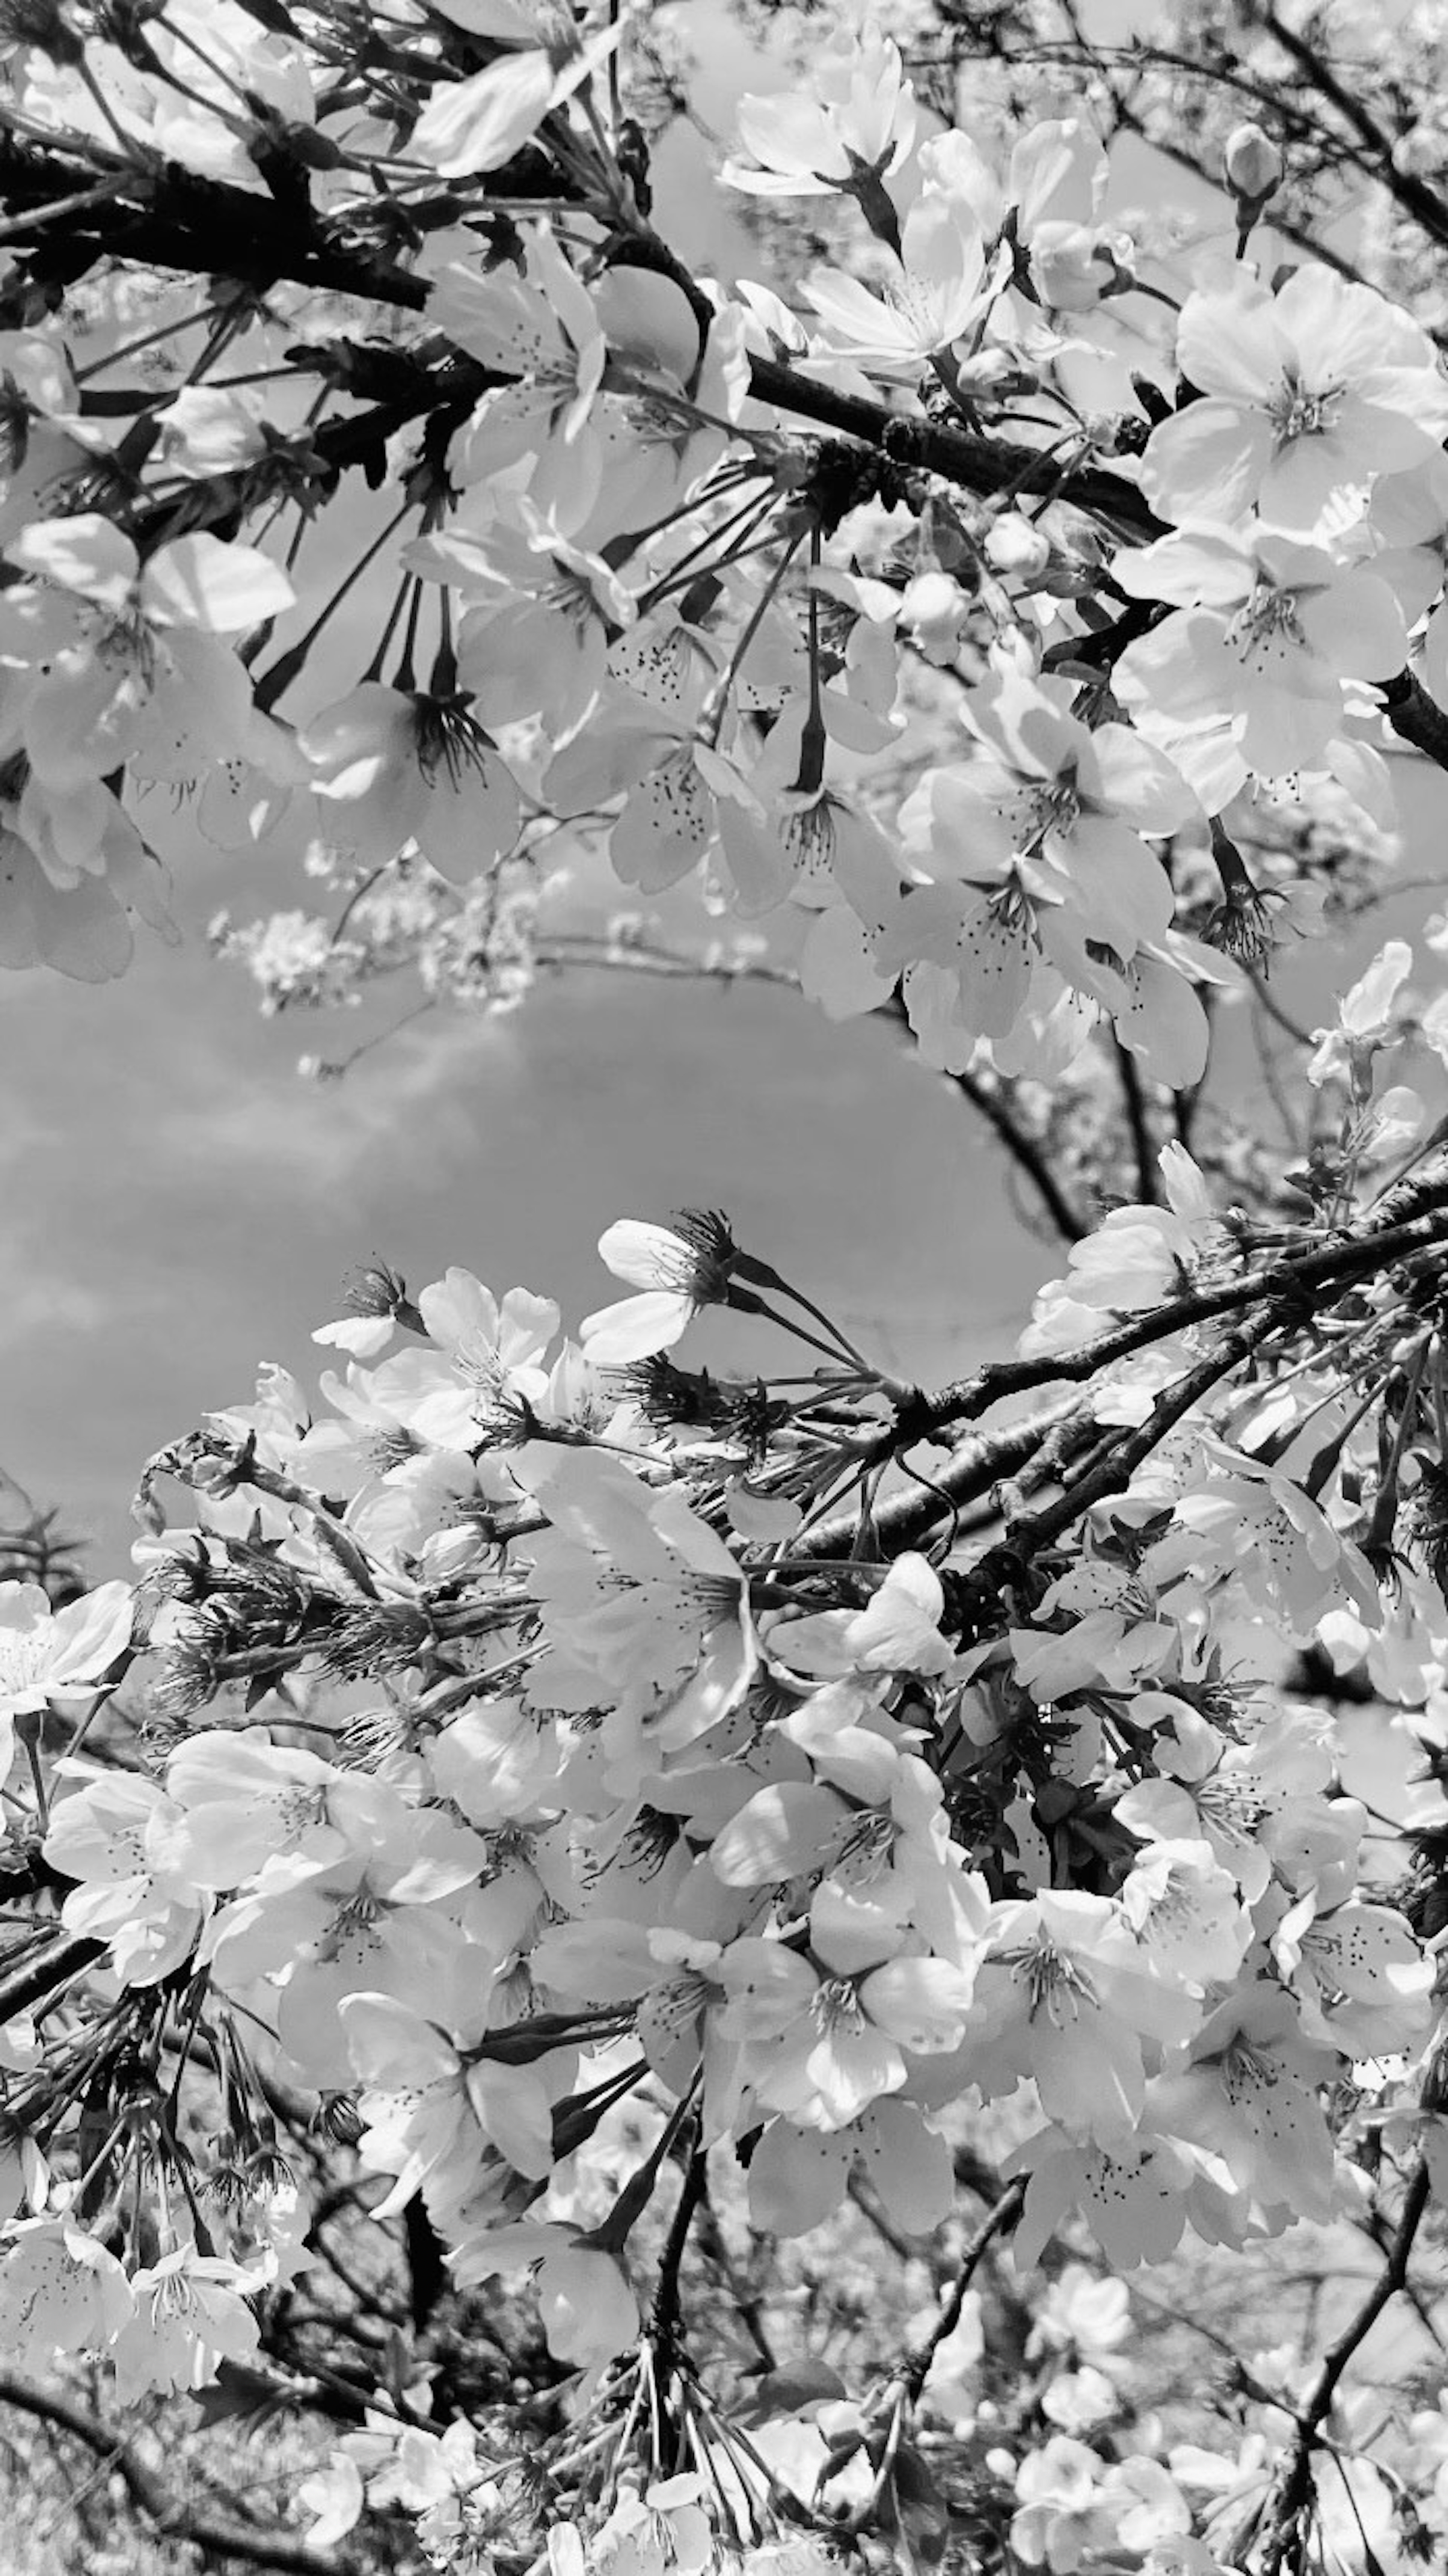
point(179, 1205)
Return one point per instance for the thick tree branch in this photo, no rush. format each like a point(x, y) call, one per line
point(1028, 1535)
point(1408, 1220)
point(1416, 717)
point(65, 1957)
point(971, 1470)
point(979, 465)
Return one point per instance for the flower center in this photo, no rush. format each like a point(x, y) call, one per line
point(449, 738)
point(1056, 808)
point(1056, 1984)
point(299, 1809)
point(354, 1921)
point(808, 835)
point(1233, 1801)
point(1245, 2071)
point(865, 1846)
point(23, 1660)
point(1295, 413)
point(391, 1448)
point(126, 643)
point(172, 2298)
point(571, 597)
point(1267, 626)
point(836, 2006)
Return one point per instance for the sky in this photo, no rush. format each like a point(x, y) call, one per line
point(178, 1205)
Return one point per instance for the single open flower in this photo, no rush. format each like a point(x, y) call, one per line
point(679, 1270)
point(46, 1655)
point(400, 765)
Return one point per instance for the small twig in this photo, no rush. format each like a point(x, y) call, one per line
point(1296, 2489)
point(172, 2518)
point(1002, 2214)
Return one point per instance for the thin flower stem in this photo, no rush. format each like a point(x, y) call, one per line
point(384, 1037)
point(730, 479)
point(374, 667)
point(800, 1335)
point(405, 675)
point(712, 722)
point(147, 340)
point(18, 226)
point(681, 573)
point(223, 331)
point(273, 683)
point(37, 1778)
point(127, 142)
point(871, 1375)
point(218, 70)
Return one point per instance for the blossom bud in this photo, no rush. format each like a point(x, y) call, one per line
point(1015, 545)
point(45, 25)
point(1074, 265)
point(1251, 164)
point(1417, 153)
point(338, 2120)
point(990, 371)
point(936, 609)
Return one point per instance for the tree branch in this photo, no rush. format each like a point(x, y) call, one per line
point(1143, 1143)
point(1417, 717)
point(978, 1463)
point(998, 2217)
point(1024, 1151)
point(1407, 190)
point(1296, 2489)
point(1408, 1220)
point(170, 2517)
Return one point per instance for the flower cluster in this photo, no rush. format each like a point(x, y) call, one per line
point(583, 1780)
point(641, 597)
point(654, 1804)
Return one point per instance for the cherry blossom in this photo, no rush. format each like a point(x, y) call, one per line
point(1272, 631)
point(1250, 2092)
point(644, 1807)
point(128, 660)
point(680, 1271)
point(826, 2035)
point(478, 124)
point(1310, 393)
point(394, 768)
point(941, 295)
point(111, 1837)
point(48, 1654)
point(847, 137)
point(60, 2290)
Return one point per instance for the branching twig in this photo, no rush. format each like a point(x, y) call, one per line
point(1002, 2214)
point(1296, 2489)
point(168, 2515)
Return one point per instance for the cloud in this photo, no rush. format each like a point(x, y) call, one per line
point(35, 1302)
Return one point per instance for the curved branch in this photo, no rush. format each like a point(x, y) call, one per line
point(1296, 2490)
point(169, 2516)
